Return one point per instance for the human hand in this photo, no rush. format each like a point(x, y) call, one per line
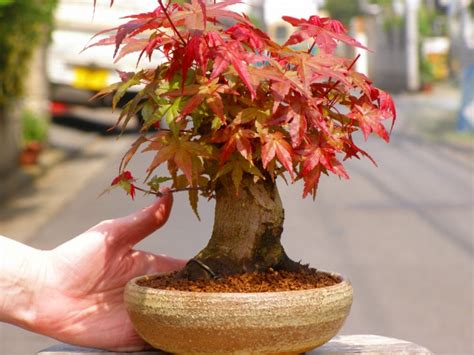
point(80, 297)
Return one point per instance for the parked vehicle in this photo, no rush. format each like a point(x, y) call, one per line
point(75, 75)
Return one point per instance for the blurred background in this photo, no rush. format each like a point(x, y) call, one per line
point(402, 232)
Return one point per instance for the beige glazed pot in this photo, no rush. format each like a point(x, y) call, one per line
point(238, 323)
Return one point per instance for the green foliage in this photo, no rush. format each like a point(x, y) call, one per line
point(5, 2)
point(425, 21)
point(391, 20)
point(426, 71)
point(34, 127)
point(343, 10)
point(22, 25)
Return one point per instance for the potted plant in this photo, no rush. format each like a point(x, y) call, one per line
point(34, 133)
point(228, 113)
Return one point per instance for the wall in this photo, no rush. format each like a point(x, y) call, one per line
point(9, 142)
point(387, 63)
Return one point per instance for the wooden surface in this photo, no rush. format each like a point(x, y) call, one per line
point(340, 345)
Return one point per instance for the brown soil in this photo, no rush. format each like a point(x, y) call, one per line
point(270, 281)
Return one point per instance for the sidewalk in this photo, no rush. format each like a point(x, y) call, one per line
point(432, 116)
point(25, 176)
point(37, 193)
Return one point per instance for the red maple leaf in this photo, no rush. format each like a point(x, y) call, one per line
point(311, 181)
point(323, 30)
point(231, 52)
point(249, 35)
point(125, 180)
point(369, 119)
point(276, 145)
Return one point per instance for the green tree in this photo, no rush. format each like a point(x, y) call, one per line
point(24, 25)
point(343, 10)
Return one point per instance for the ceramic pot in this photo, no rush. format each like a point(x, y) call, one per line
point(238, 323)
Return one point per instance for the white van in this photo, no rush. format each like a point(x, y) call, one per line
point(75, 76)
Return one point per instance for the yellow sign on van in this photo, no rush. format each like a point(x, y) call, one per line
point(90, 78)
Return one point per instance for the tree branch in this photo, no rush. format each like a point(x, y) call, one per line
point(171, 22)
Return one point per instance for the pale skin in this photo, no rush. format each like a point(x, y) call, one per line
point(74, 293)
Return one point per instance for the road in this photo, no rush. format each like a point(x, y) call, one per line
point(402, 232)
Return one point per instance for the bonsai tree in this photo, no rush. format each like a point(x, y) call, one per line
point(228, 112)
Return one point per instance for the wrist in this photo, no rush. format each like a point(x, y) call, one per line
point(21, 274)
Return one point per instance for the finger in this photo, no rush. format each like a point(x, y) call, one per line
point(131, 229)
point(148, 263)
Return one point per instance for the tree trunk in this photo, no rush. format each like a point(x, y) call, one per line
point(246, 234)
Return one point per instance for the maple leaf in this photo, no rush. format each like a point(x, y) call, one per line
point(195, 15)
point(193, 201)
point(102, 42)
point(361, 82)
point(323, 30)
point(231, 52)
point(352, 150)
point(138, 45)
point(312, 69)
point(298, 125)
point(369, 119)
point(196, 50)
point(125, 181)
point(150, 47)
point(314, 115)
point(250, 114)
point(180, 151)
point(235, 138)
point(250, 35)
point(312, 157)
point(311, 181)
point(276, 145)
point(131, 152)
point(124, 30)
point(386, 105)
point(209, 92)
point(321, 154)
point(237, 167)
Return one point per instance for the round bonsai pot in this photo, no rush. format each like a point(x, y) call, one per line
point(289, 322)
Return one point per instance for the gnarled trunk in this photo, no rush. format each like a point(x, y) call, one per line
point(246, 234)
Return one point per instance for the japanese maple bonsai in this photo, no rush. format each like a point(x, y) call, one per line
point(240, 111)
point(228, 111)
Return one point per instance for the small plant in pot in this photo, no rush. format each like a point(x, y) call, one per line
point(228, 113)
point(34, 129)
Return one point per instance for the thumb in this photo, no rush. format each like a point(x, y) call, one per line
point(133, 228)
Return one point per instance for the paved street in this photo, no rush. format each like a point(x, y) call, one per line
point(402, 232)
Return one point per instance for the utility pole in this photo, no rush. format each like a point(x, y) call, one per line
point(466, 114)
point(412, 38)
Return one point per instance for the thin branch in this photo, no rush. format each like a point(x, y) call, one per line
point(159, 194)
point(171, 22)
point(337, 82)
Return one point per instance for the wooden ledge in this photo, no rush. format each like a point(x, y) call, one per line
point(339, 345)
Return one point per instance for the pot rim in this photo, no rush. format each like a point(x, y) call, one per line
point(345, 282)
